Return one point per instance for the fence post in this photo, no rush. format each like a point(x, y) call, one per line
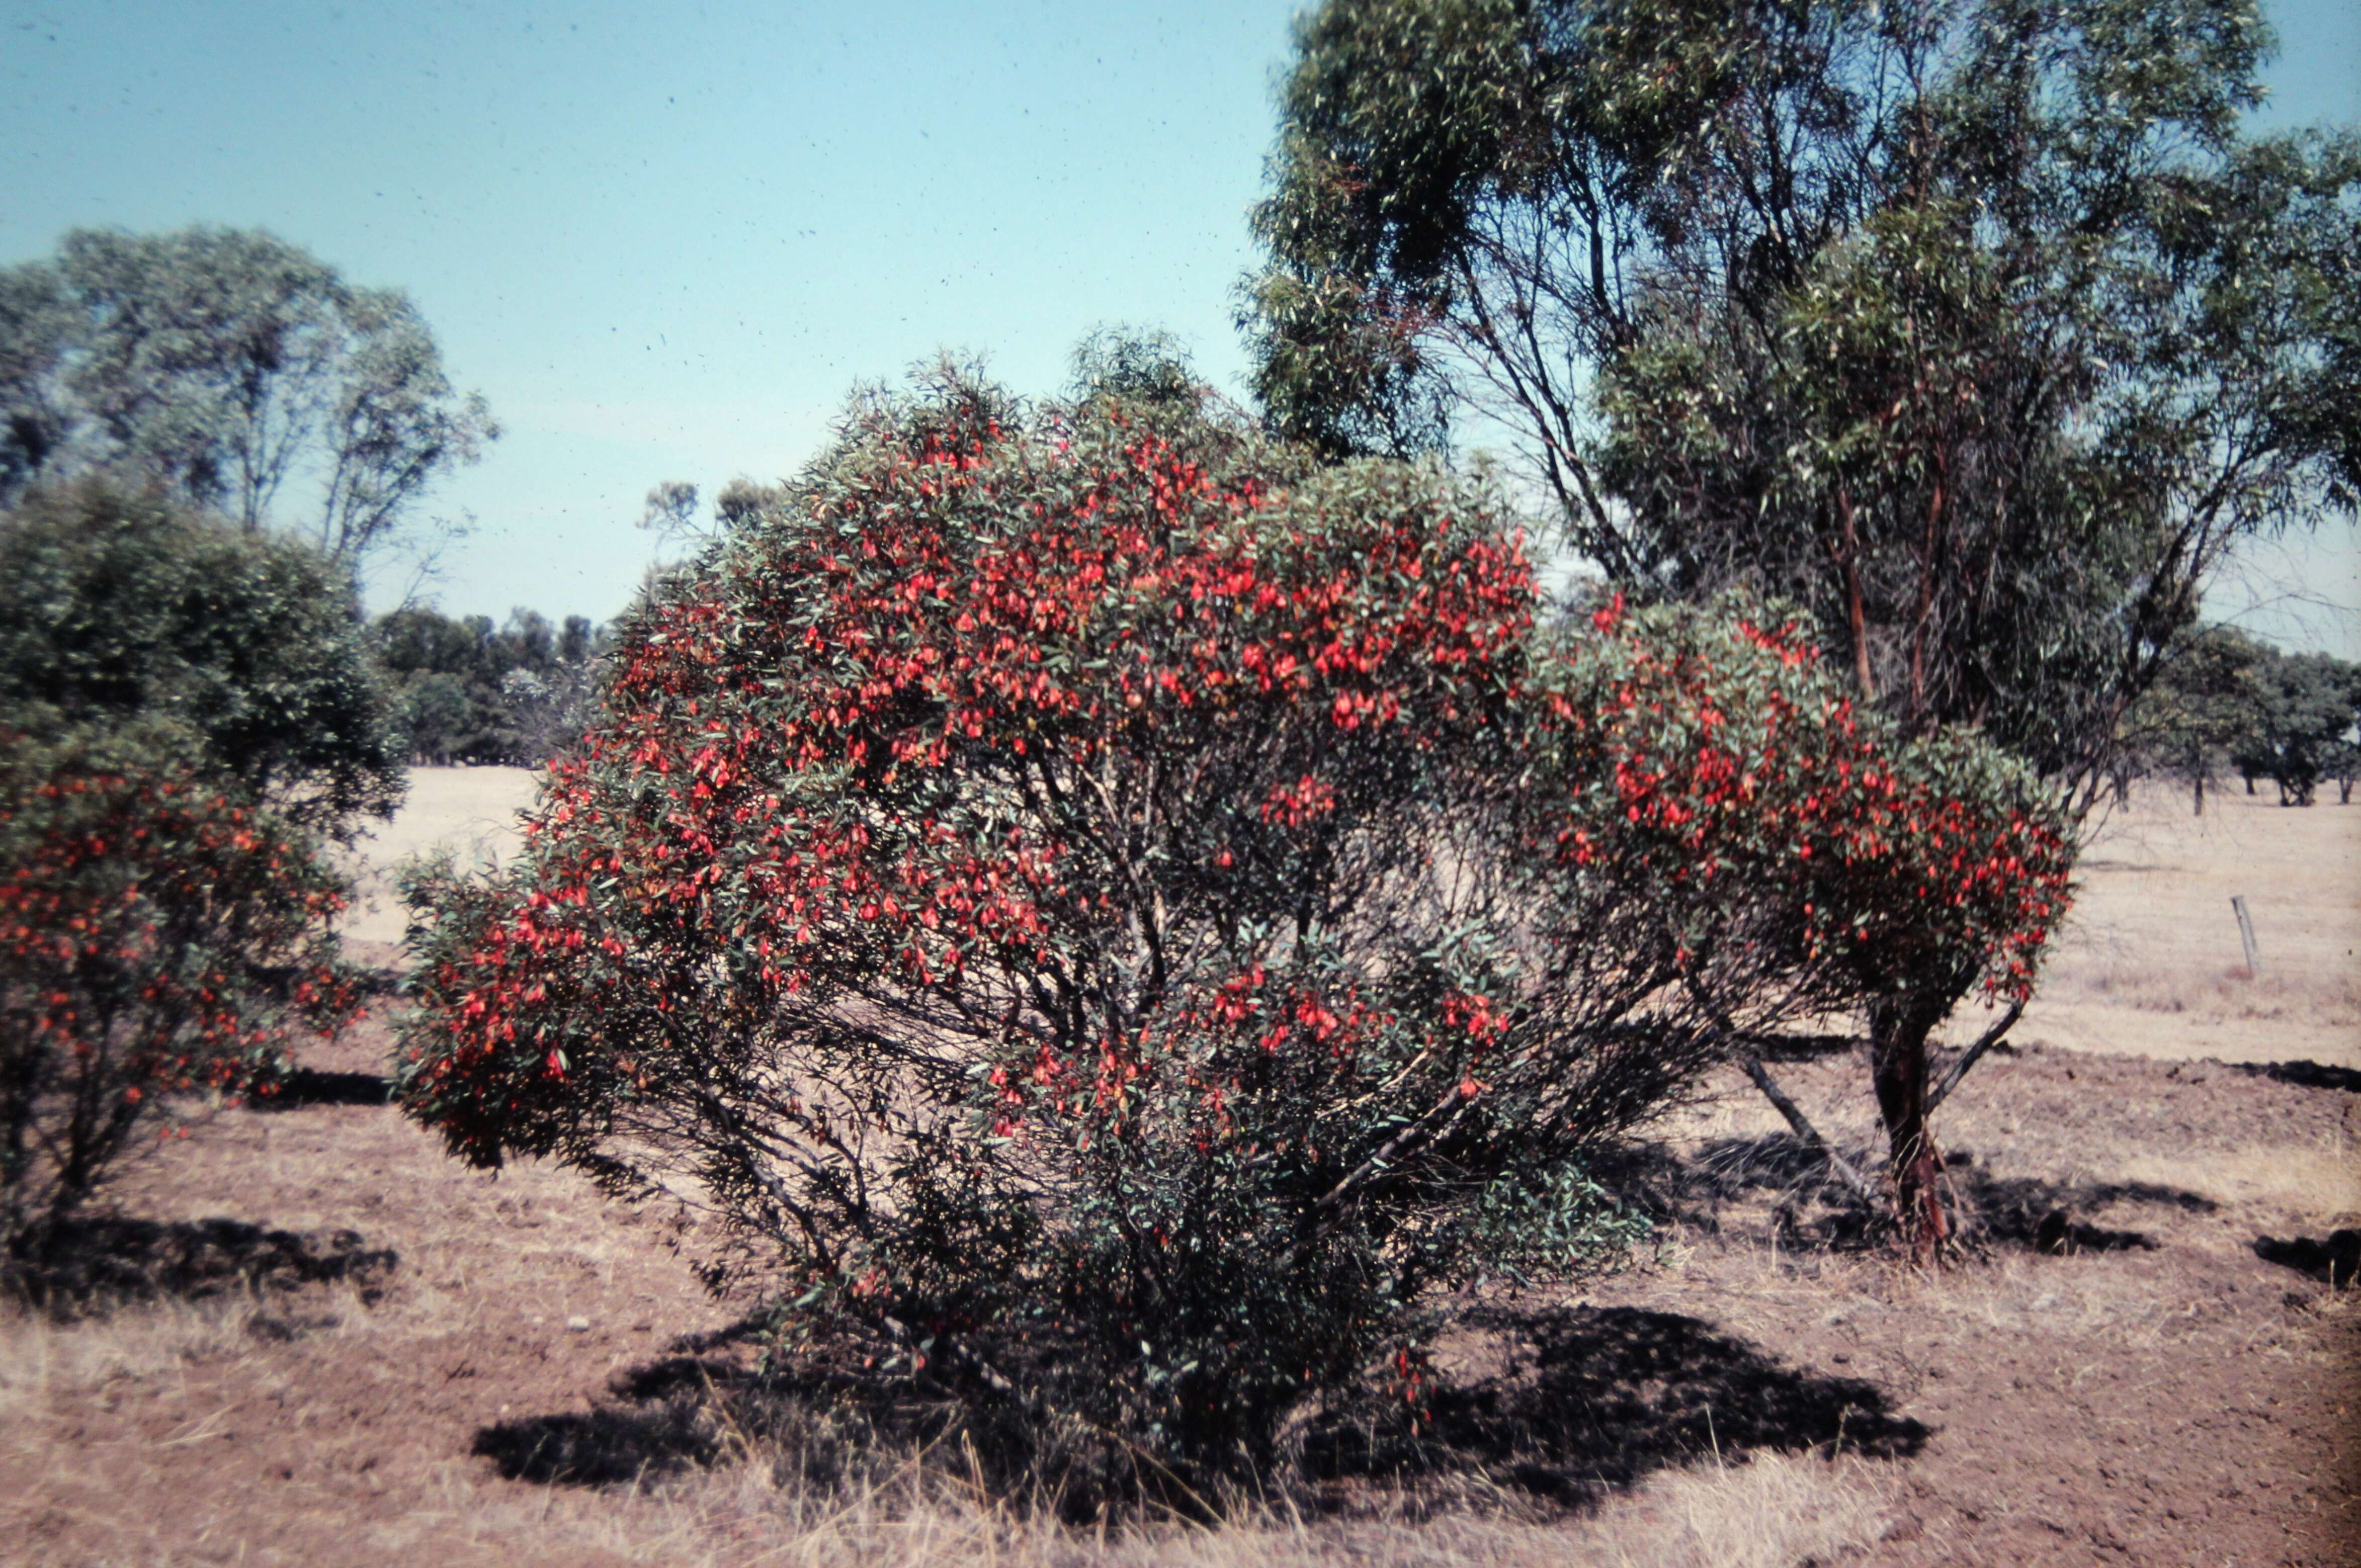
point(2246, 936)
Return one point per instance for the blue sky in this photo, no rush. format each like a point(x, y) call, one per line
point(665, 241)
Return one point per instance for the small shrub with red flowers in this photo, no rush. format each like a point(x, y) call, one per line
point(158, 936)
point(1122, 921)
point(1903, 877)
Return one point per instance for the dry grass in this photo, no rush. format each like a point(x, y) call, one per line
point(2150, 961)
point(44, 1364)
point(2316, 1185)
point(1773, 1511)
point(208, 1363)
point(2328, 1001)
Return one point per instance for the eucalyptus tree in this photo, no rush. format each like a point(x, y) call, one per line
point(2300, 719)
point(1983, 329)
point(2197, 719)
point(240, 373)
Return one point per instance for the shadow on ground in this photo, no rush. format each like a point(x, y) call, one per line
point(1585, 1401)
point(613, 1445)
point(304, 1087)
point(2306, 1074)
point(1811, 1209)
point(103, 1260)
point(2022, 1211)
point(2336, 1261)
point(1592, 1399)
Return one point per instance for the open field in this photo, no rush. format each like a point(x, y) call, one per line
point(471, 813)
point(2151, 962)
point(353, 1351)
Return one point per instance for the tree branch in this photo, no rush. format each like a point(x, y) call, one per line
point(1858, 1184)
point(1958, 1070)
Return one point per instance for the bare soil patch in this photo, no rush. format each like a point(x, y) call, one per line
point(331, 1345)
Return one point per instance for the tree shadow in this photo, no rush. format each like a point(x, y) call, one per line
point(304, 1087)
point(1810, 1208)
point(1802, 1047)
point(2305, 1074)
point(1592, 1399)
point(2041, 1216)
point(2336, 1261)
point(1583, 1402)
point(91, 1264)
point(611, 1445)
point(1693, 1189)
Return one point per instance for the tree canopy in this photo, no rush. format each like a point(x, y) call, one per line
point(241, 656)
point(239, 372)
point(2300, 722)
point(1984, 330)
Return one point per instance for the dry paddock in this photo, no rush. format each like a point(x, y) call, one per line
point(356, 1352)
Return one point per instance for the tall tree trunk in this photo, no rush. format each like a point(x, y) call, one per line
point(1856, 613)
point(1899, 1028)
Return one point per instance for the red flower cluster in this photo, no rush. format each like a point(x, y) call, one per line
point(1735, 759)
point(98, 894)
point(788, 746)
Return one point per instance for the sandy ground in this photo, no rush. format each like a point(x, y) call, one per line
point(470, 812)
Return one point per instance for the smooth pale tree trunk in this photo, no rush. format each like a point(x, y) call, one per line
point(1898, 1030)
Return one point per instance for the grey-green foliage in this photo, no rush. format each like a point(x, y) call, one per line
point(1982, 327)
point(240, 657)
point(1146, 366)
point(240, 372)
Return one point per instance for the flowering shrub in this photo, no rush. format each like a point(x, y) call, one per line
point(1728, 758)
point(1901, 878)
point(1119, 920)
point(156, 936)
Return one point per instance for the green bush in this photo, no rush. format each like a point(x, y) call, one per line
point(184, 717)
point(118, 608)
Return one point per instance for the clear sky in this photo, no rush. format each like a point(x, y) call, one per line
point(665, 241)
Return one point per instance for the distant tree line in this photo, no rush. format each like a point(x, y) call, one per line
point(464, 691)
point(2228, 703)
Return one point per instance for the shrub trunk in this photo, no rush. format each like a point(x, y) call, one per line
point(1898, 1063)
